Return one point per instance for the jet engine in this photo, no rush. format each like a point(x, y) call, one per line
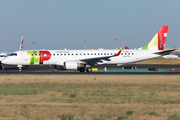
point(71, 65)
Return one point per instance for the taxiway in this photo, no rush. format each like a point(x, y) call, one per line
point(168, 70)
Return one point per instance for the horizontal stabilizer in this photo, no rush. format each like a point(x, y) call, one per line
point(165, 52)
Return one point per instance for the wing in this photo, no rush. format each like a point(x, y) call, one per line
point(98, 59)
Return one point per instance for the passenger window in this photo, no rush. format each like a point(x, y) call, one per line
point(57, 54)
point(121, 53)
point(71, 54)
point(84, 54)
point(125, 53)
point(64, 54)
point(128, 53)
point(88, 54)
point(76, 54)
point(94, 53)
point(104, 53)
point(107, 53)
point(68, 54)
point(132, 53)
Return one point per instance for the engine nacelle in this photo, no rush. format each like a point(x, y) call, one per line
point(71, 65)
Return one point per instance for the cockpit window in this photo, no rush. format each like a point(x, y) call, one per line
point(13, 54)
point(2, 55)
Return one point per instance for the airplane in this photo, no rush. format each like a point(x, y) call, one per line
point(82, 60)
point(21, 44)
point(3, 55)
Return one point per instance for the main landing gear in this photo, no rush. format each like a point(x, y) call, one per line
point(87, 69)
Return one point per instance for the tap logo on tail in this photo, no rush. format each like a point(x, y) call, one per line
point(158, 41)
point(162, 34)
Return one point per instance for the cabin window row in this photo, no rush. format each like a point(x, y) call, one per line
point(84, 54)
point(127, 53)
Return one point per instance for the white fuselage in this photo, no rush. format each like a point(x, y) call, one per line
point(58, 57)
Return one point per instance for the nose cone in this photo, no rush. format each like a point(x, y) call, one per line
point(4, 61)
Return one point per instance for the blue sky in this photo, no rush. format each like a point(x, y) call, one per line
point(59, 24)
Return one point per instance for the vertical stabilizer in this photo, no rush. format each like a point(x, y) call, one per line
point(162, 34)
point(21, 44)
point(158, 41)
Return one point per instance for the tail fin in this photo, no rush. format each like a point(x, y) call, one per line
point(126, 47)
point(158, 41)
point(21, 44)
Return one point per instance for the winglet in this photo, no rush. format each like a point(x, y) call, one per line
point(117, 54)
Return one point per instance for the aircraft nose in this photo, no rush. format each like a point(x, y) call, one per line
point(4, 61)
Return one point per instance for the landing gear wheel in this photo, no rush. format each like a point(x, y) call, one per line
point(88, 69)
point(82, 69)
point(20, 70)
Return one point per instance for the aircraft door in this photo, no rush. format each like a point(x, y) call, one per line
point(137, 54)
point(25, 55)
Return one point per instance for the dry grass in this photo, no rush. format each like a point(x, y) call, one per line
point(90, 97)
point(160, 60)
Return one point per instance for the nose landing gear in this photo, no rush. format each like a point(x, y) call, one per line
point(2, 66)
point(20, 68)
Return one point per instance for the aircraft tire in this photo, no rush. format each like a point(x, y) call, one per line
point(20, 70)
point(88, 69)
point(82, 69)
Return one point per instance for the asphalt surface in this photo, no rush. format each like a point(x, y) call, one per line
point(49, 70)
